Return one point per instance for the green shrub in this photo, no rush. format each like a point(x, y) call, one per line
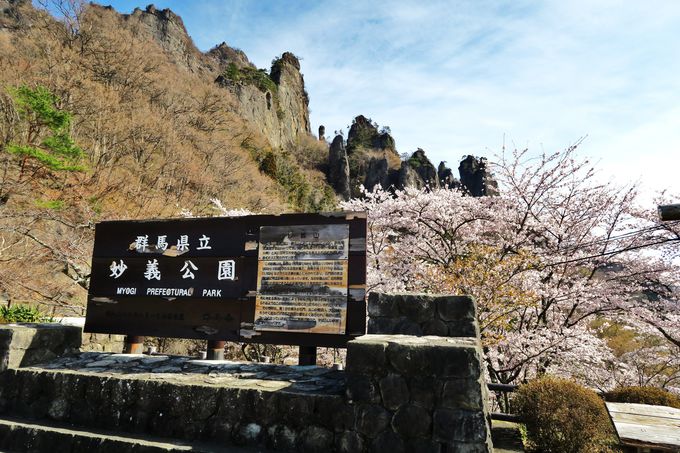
point(282, 167)
point(563, 417)
point(56, 205)
point(643, 395)
point(251, 76)
point(22, 313)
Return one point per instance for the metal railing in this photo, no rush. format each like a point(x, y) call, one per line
point(503, 388)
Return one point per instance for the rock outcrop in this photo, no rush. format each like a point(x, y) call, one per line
point(476, 178)
point(293, 98)
point(372, 156)
point(168, 30)
point(338, 168)
point(377, 174)
point(369, 158)
point(223, 55)
point(274, 102)
point(418, 165)
point(364, 134)
point(446, 178)
point(409, 177)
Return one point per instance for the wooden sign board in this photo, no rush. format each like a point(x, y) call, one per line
point(295, 279)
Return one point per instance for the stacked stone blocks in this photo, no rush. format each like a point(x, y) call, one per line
point(422, 314)
point(418, 393)
point(239, 414)
point(102, 342)
point(28, 344)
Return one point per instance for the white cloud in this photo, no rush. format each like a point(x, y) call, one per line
point(460, 77)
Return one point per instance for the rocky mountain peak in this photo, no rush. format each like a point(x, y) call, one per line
point(338, 168)
point(286, 69)
point(476, 177)
point(168, 30)
point(289, 58)
point(366, 160)
point(446, 178)
point(162, 20)
point(361, 123)
point(223, 54)
point(364, 133)
point(423, 168)
point(276, 101)
point(165, 14)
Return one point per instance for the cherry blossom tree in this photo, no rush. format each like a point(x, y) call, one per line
point(549, 261)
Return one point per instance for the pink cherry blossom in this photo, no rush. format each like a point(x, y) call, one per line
point(550, 261)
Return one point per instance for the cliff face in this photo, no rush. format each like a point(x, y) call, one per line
point(293, 98)
point(275, 103)
point(476, 178)
point(168, 30)
point(371, 159)
point(222, 55)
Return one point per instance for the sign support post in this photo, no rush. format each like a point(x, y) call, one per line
point(307, 355)
point(134, 344)
point(215, 350)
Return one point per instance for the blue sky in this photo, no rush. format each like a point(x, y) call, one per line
point(465, 77)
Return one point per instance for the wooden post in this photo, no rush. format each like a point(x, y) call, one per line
point(134, 344)
point(215, 350)
point(669, 212)
point(307, 355)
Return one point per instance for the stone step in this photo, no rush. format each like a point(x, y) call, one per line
point(22, 435)
point(507, 437)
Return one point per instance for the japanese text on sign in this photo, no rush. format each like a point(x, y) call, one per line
point(302, 279)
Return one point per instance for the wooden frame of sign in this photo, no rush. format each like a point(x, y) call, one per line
point(296, 279)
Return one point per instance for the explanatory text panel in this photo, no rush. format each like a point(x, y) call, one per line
point(302, 278)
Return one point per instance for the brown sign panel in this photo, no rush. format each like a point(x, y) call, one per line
point(291, 279)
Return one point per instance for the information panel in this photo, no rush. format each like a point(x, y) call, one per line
point(289, 279)
point(302, 278)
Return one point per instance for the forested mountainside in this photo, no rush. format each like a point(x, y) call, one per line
point(146, 109)
point(106, 115)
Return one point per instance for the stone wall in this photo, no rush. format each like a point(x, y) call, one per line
point(194, 405)
point(399, 393)
point(28, 344)
point(424, 394)
point(102, 342)
point(422, 314)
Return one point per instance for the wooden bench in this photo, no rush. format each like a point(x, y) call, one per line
point(646, 428)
